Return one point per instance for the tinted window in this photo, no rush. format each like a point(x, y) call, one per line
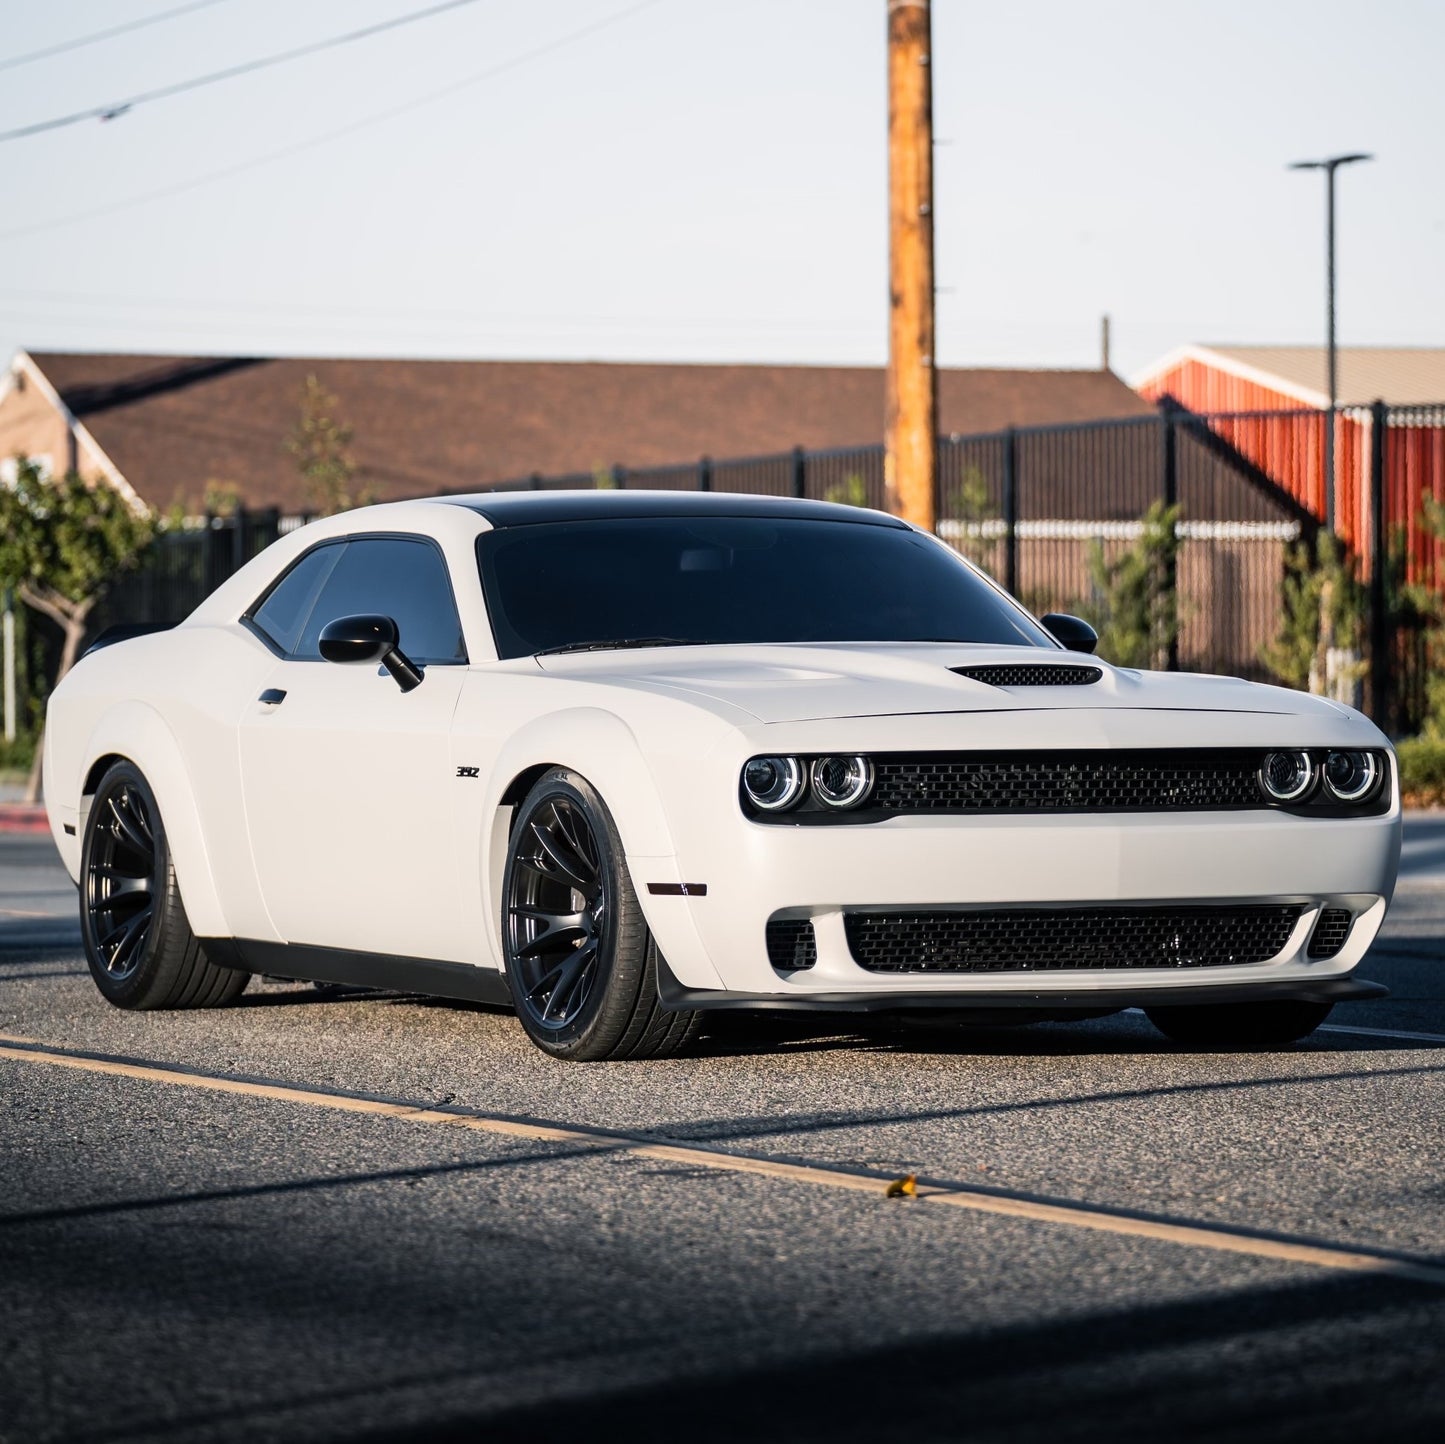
point(735, 579)
point(404, 580)
point(284, 612)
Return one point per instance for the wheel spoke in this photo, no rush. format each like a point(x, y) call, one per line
point(572, 972)
point(128, 831)
point(132, 932)
point(566, 866)
point(557, 930)
point(122, 885)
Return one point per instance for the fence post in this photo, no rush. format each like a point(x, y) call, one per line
point(1171, 498)
point(800, 472)
point(1011, 512)
point(534, 482)
point(238, 539)
point(1380, 698)
point(704, 474)
point(619, 477)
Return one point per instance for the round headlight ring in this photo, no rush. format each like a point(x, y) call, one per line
point(1351, 776)
point(773, 784)
point(1287, 776)
point(842, 782)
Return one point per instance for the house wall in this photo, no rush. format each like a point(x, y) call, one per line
point(33, 425)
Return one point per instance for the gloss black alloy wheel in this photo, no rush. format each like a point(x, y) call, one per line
point(580, 961)
point(138, 941)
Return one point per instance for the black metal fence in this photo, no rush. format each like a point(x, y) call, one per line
point(1044, 509)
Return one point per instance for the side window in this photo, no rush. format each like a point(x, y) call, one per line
point(404, 580)
point(282, 614)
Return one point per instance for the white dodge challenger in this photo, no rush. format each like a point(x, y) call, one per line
point(618, 758)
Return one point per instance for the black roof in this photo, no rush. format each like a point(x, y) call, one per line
point(524, 508)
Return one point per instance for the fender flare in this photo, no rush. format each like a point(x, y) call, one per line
point(601, 747)
point(139, 734)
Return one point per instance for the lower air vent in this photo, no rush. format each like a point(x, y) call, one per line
point(791, 944)
point(1049, 940)
point(1330, 932)
point(1031, 674)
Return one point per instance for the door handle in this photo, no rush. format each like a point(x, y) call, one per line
point(272, 696)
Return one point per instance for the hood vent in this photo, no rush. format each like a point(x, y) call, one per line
point(1031, 674)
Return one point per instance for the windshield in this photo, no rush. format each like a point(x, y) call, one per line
point(670, 580)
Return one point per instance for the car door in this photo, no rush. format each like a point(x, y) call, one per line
point(347, 779)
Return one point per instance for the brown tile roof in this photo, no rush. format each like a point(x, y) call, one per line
point(171, 424)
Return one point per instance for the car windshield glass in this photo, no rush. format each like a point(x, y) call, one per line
point(558, 585)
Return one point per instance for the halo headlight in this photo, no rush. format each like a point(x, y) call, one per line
point(1351, 776)
point(1287, 776)
point(773, 784)
point(842, 782)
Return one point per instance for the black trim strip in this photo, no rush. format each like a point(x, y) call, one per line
point(677, 889)
point(675, 997)
point(461, 981)
point(68, 828)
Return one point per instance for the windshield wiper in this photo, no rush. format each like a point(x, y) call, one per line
point(611, 644)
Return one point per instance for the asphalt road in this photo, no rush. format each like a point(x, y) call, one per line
point(1130, 1241)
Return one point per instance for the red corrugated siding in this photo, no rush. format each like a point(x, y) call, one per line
point(1289, 448)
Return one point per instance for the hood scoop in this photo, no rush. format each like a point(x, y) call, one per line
point(1031, 674)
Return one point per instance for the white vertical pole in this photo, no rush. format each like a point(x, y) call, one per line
point(8, 628)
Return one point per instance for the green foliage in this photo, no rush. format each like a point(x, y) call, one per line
point(1416, 607)
point(851, 491)
point(974, 510)
point(17, 756)
point(1135, 607)
point(320, 445)
point(61, 541)
point(1322, 606)
point(1422, 771)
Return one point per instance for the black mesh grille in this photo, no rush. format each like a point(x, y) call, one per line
point(1066, 782)
point(1068, 939)
point(1031, 674)
point(1330, 932)
point(791, 944)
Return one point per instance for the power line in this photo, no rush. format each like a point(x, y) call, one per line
point(95, 37)
point(118, 108)
point(300, 147)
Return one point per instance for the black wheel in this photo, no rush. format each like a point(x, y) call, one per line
point(580, 960)
point(138, 941)
point(1239, 1025)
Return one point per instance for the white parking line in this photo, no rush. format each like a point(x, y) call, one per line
point(1218, 1237)
point(1383, 1033)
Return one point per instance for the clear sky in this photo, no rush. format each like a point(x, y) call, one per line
point(704, 180)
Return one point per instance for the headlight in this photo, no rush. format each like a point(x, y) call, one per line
point(773, 783)
point(842, 781)
point(1287, 776)
point(1351, 776)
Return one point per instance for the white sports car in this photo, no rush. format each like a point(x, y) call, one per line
point(616, 758)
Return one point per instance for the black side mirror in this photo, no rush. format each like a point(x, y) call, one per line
point(370, 639)
point(1073, 633)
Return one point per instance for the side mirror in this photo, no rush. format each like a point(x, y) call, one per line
point(1074, 633)
point(370, 639)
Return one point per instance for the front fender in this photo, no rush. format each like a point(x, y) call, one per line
point(139, 734)
point(607, 752)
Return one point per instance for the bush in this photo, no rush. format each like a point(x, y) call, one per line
point(1422, 771)
point(17, 756)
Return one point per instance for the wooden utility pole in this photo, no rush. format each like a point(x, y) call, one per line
point(910, 462)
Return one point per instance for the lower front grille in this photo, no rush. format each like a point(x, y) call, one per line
point(792, 945)
point(1330, 932)
point(1039, 940)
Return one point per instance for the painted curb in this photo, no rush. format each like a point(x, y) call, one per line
point(17, 817)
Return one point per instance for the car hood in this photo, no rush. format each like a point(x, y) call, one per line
point(788, 683)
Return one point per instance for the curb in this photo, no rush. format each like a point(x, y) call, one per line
point(18, 817)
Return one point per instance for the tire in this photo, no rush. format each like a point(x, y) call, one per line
point(1239, 1025)
point(580, 961)
point(138, 941)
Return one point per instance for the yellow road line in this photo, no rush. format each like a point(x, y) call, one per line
point(1073, 1215)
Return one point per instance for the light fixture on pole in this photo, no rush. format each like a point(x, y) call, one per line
point(1330, 165)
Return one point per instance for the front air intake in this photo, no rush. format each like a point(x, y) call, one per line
point(1331, 932)
point(792, 946)
point(1031, 674)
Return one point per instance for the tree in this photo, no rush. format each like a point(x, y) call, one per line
point(1322, 615)
point(61, 542)
point(320, 445)
point(1137, 611)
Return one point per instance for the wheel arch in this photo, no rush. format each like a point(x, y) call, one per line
point(136, 733)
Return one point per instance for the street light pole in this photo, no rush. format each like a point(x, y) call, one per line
point(1330, 166)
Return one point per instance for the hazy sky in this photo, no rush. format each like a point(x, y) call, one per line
point(705, 179)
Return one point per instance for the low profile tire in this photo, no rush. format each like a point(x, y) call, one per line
point(138, 942)
point(580, 960)
point(1239, 1025)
